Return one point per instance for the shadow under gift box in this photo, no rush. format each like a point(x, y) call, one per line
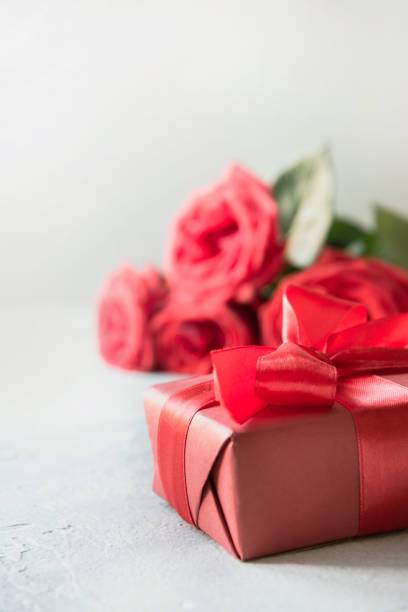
point(286, 479)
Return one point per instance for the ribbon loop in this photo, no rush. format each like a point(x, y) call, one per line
point(310, 317)
point(294, 375)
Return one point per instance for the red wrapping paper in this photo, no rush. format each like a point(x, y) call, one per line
point(292, 475)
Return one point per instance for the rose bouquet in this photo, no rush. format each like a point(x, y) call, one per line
point(232, 250)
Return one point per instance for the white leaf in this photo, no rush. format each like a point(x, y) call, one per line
point(314, 211)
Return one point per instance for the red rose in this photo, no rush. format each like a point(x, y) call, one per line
point(225, 242)
point(185, 334)
point(127, 302)
point(381, 287)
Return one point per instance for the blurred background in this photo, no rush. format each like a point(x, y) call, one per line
point(112, 112)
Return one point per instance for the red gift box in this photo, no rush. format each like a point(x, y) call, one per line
point(290, 447)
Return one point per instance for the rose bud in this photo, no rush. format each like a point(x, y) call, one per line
point(127, 302)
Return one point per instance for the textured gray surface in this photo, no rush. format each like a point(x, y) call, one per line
point(80, 529)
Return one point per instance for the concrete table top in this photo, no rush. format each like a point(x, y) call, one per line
point(80, 528)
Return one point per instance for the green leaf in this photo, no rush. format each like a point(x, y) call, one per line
point(372, 245)
point(305, 195)
point(391, 241)
point(346, 234)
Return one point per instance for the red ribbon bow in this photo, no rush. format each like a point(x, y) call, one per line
point(341, 345)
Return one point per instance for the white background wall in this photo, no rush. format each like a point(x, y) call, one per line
point(112, 111)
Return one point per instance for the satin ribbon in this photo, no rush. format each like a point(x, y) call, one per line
point(174, 422)
point(293, 375)
point(330, 353)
